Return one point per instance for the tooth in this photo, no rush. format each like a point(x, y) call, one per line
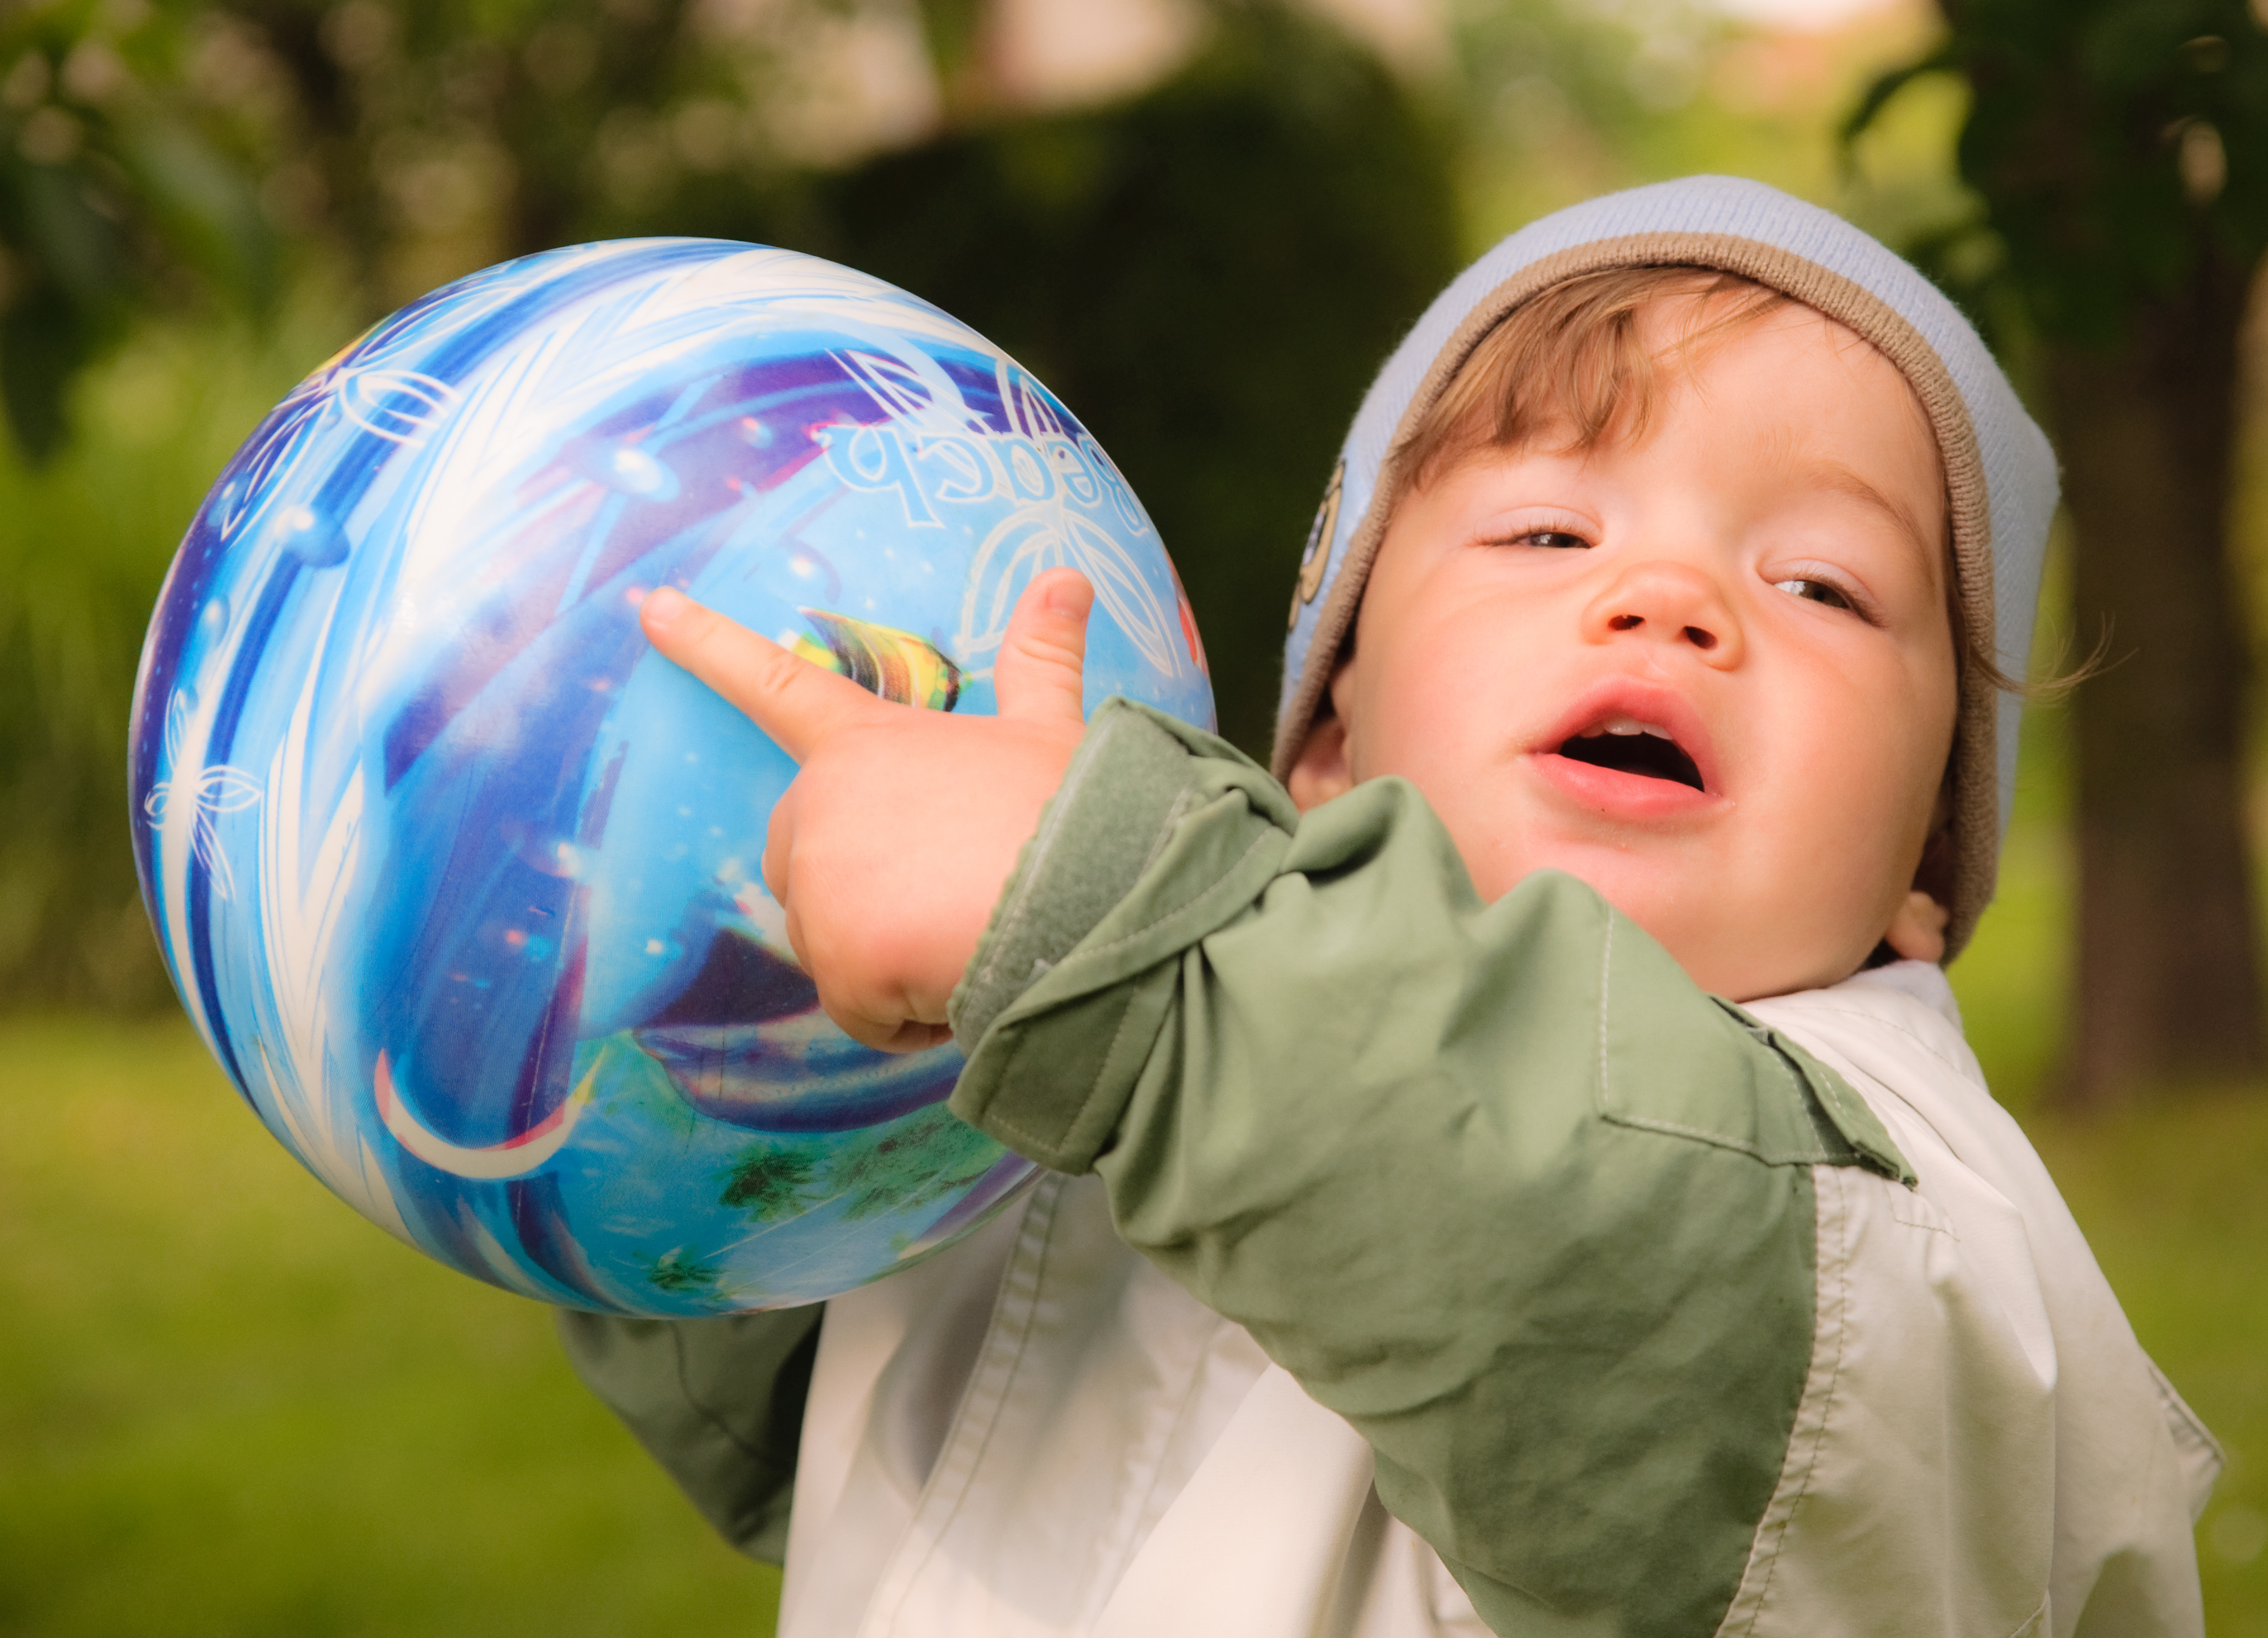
point(1622, 728)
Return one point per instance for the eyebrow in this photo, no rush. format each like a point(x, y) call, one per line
point(1832, 475)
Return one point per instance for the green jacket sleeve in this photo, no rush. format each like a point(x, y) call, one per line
point(717, 1402)
point(1495, 1183)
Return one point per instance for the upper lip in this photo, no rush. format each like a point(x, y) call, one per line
point(1648, 704)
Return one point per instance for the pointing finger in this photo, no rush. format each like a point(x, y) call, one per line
point(794, 702)
point(1038, 675)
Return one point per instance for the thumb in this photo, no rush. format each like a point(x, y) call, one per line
point(1037, 676)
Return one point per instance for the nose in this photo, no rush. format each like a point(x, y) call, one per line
point(1666, 602)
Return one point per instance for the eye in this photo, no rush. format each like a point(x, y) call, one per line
point(1537, 526)
point(1816, 591)
point(1550, 539)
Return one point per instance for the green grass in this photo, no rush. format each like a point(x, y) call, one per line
point(2171, 1200)
point(229, 1406)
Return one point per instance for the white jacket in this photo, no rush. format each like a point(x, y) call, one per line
point(1038, 1433)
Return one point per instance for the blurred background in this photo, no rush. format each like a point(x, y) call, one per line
point(228, 1405)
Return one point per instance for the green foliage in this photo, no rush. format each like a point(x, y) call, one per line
point(1622, 77)
point(676, 1270)
point(85, 540)
point(491, 130)
point(955, 30)
point(771, 1183)
point(920, 1160)
point(1208, 275)
point(2119, 150)
point(119, 192)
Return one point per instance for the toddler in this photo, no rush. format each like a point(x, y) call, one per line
point(1516, 1168)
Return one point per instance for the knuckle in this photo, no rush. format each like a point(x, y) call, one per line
point(778, 672)
point(1051, 641)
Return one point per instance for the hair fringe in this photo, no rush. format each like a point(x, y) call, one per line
point(1572, 357)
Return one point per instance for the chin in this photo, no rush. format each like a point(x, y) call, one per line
point(1754, 976)
point(1659, 896)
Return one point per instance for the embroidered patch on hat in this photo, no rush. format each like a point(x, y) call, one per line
point(1318, 552)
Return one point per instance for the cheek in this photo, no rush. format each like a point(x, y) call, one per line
point(1881, 762)
point(1407, 716)
point(1930, 700)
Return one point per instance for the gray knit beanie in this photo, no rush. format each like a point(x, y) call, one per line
point(2001, 475)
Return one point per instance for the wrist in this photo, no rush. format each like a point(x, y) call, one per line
point(1095, 834)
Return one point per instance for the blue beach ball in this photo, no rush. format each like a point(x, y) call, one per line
point(459, 879)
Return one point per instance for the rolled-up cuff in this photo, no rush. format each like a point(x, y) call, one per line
point(1114, 811)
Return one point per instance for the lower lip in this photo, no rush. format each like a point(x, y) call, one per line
point(1620, 795)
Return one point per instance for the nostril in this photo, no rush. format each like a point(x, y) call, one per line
point(1699, 638)
point(1625, 622)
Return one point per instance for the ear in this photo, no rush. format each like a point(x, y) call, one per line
point(1917, 932)
point(1323, 768)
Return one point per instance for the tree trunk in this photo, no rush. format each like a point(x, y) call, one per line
point(2169, 986)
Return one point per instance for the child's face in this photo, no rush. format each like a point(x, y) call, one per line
point(1761, 579)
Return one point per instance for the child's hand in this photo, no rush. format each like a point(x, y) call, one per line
point(888, 850)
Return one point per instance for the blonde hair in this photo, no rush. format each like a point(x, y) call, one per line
point(1572, 359)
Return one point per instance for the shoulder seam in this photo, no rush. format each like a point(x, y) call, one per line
point(1817, 1156)
point(1875, 1018)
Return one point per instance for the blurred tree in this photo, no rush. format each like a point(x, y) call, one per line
point(2119, 149)
point(1564, 99)
point(1208, 275)
point(432, 137)
point(124, 193)
point(119, 192)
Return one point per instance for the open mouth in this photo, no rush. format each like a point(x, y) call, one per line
point(1627, 745)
